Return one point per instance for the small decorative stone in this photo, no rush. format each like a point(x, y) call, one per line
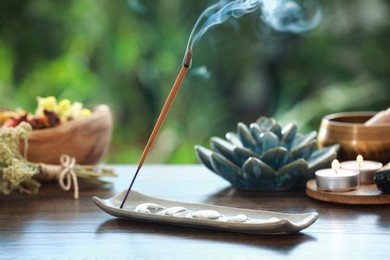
point(206, 214)
point(382, 179)
point(149, 208)
point(174, 211)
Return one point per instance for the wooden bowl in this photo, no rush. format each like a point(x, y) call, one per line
point(348, 130)
point(87, 139)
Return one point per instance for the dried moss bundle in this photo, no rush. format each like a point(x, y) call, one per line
point(17, 174)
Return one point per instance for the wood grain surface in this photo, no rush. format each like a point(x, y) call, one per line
point(52, 225)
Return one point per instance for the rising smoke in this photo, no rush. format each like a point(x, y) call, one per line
point(282, 15)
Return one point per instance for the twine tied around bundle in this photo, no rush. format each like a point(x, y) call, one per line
point(63, 171)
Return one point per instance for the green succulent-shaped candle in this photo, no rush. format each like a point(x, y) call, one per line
point(265, 156)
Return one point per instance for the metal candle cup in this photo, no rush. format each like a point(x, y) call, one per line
point(367, 169)
point(337, 179)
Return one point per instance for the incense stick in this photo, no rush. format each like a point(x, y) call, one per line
point(160, 120)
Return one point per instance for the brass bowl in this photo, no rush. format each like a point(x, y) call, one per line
point(348, 130)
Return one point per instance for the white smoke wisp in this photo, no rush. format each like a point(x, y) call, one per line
point(290, 16)
point(281, 15)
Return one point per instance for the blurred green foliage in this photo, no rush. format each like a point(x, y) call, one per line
point(127, 53)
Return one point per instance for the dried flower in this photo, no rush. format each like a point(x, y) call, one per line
point(48, 103)
point(63, 110)
point(85, 112)
point(77, 110)
point(49, 113)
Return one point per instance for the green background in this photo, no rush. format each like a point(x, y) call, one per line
point(127, 54)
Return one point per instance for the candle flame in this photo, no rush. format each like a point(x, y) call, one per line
point(359, 158)
point(335, 164)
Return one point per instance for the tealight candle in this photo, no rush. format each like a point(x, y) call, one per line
point(337, 179)
point(366, 168)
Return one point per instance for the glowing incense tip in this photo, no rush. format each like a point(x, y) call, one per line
point(160, 120)
point(188, 59)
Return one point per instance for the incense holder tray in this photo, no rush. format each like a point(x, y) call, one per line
point(139, 207)
point(266, 156)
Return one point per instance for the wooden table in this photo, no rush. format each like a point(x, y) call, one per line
point(54, 225)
